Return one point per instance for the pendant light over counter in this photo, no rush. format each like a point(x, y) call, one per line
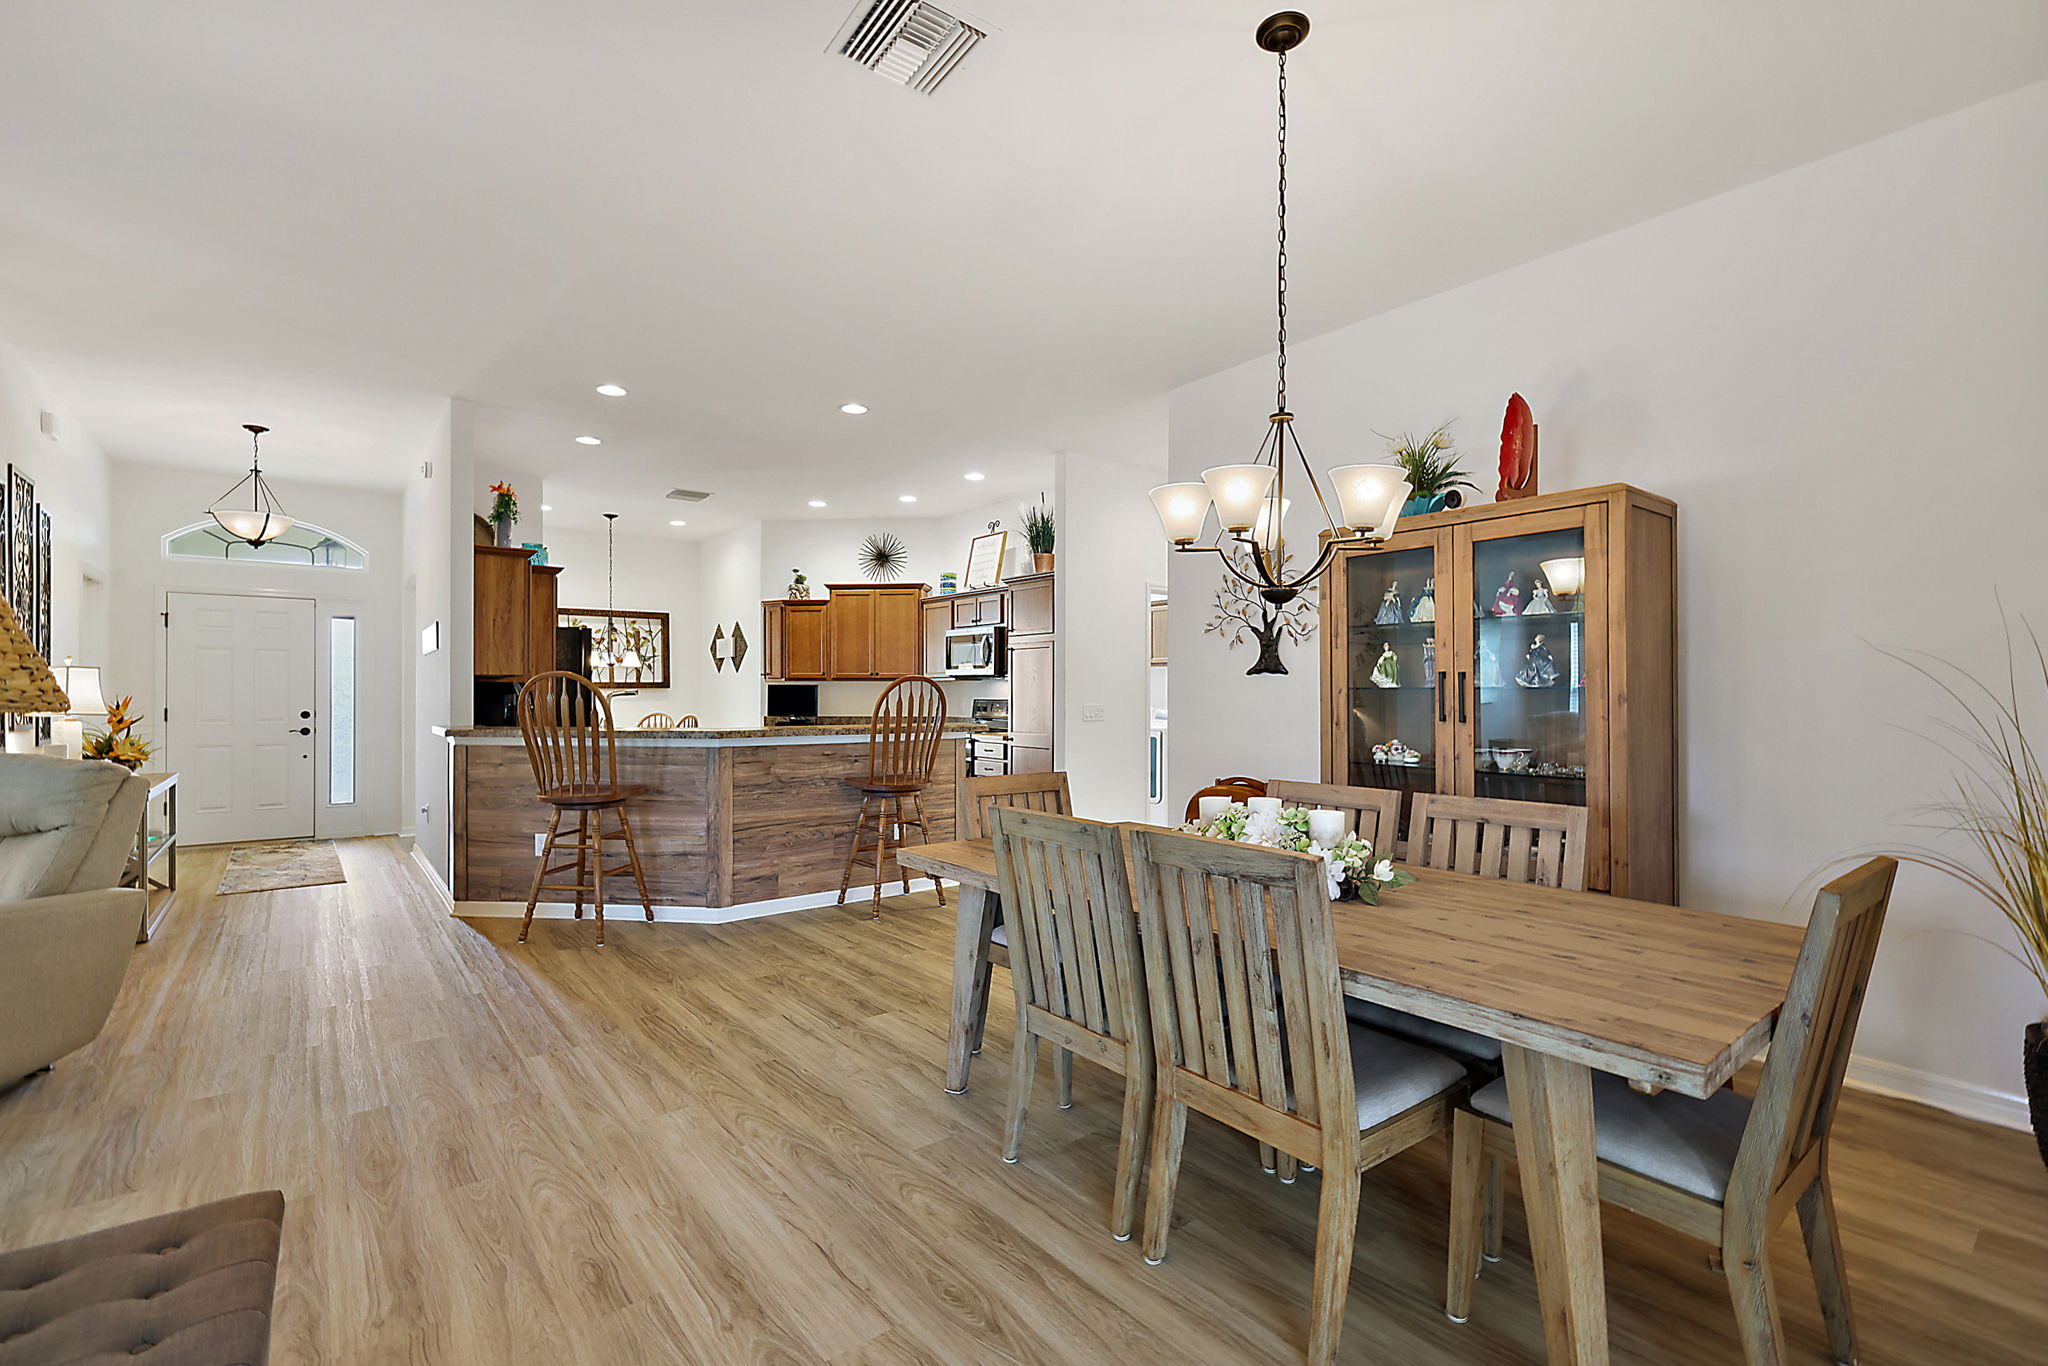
point(1251, 500)
point(263, 519)
point(608, 655)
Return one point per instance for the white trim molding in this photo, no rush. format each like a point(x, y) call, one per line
point(1943, 1093)
point(630, 912)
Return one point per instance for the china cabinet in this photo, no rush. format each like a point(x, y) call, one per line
point(1520, 650)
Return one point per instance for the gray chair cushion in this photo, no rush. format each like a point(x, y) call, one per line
point(51, 815)
point(1000, 935)
point(1393, 1074)
point(192, 1288)
point(1687, 1143)
point(1436, 1034)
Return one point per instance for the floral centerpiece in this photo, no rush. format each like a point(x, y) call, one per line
point(1349, 865)
point(118, 743)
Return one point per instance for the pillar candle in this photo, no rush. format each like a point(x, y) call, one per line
point(1209, 808)
point(1325, 828)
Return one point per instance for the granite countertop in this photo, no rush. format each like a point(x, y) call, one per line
point(822, 729)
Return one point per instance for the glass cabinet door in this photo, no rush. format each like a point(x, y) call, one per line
point(1395, 665)
point(1528, 656)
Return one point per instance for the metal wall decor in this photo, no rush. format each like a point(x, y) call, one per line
point(883, 556)
point(739, 647)
point(25, 570)
point(638, 635)
point(717, 650)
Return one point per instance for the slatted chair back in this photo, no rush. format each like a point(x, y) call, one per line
point(1237, 789)
point(1519, 841)
point(1375, 812)
point(1073, 935)
point(1247, 1010)
point(687, 723)
point(1025, 791)
point(903, 735)
point(566, 721)
point(1795, 1097)
point(657, 720)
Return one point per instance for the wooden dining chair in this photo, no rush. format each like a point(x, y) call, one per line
point(1728, 1168)
point(1492, 837)
point(657, 720)
point(1375, 811)
point(566, 722)
point(686, 723)
point(903, 745)
point(1248, 1027)
point(1030, 792)
point(1237, 789)
point(1077, 974)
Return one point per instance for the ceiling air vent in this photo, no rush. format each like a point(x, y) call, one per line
point(688, 495)
point(907, 41)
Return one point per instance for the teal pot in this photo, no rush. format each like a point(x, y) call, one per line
point(1436, 502)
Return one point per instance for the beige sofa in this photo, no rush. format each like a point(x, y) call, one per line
point(66, 925)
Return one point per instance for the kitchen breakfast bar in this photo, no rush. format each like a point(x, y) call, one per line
point(734, 823)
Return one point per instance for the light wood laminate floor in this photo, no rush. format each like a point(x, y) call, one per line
point(730, 1145)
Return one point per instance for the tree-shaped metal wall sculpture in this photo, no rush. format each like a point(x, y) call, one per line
point(1243, 612)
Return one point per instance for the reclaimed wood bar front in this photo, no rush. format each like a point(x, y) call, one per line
point(754, 819)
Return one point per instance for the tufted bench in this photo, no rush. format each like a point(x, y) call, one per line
point(192, 1288)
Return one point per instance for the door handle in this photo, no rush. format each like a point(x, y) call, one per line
point(303, 730)
point(1461, 697)
point(1441, 714)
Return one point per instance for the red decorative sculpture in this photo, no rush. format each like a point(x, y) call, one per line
point(1517, 452)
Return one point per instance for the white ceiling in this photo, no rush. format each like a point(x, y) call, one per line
point(328, 218)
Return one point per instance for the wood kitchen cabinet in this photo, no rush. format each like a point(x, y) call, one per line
point(935, 619)
point(542, 616)
point(1030, 604)
point(1158, 632)
point(1574, 703)
point(793, 639)
point(504, 613)
point(980, 609)
point(1032, 719)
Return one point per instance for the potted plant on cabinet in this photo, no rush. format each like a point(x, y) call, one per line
point(1038, 534)
point(1434, 477)
point(504, 512)
point(2001, 807)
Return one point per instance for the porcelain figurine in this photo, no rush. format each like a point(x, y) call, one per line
point(1508, 602)
point(1540, 601)
point(1429, 659)
point(1425, 606)
point(1390, 607)
point(1387, 673)
point(1489, 668)
point(1538, 669)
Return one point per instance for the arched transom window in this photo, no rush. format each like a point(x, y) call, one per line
point(303, 544)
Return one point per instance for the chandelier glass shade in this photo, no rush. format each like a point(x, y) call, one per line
point(1251, 500)
point(250, 511)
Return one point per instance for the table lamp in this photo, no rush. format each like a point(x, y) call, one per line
point(81, 683)
point(27, 687)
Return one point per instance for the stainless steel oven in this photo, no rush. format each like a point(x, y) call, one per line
point(975, 652)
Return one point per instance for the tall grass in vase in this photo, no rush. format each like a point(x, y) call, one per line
point(2001, 808)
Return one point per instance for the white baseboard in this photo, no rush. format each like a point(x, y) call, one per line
point(434, 877)
point(683, 915)
point(1943, 1093)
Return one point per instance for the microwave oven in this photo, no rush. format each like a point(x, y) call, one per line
point(975, 652)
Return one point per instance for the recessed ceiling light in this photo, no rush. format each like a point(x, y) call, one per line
point(974, 476)
point(588, 441)
point(906, 497)
point(678, 523)
point(855, 408)
point(612, 390)
point(817, 502)
point(547, 507)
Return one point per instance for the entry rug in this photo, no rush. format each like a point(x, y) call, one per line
point(275, 867)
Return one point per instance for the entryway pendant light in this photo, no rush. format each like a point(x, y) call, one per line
point(263, 519)
point(609, 655)
point(1252, 500)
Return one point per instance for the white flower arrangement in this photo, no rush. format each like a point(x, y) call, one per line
point(1350, 866)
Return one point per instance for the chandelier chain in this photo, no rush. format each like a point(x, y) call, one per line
point(1280, 264)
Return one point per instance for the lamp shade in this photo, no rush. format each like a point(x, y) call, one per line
point(1263, 532)
point(26, 684)
point(1566, 576)
point(253, 524)
point(1370, 496)
point(1182, 509)
point(1239, 491)
point(81, 683)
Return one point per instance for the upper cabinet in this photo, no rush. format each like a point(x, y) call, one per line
point(1030, 604)
point(505, 613)
point(1158, 632)
point(859, 631)
point(1520, 650)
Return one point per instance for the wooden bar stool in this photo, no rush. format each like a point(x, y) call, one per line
point(567, 724)
point(903, 744)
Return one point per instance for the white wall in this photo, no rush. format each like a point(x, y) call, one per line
point(438, 585)
point(1109, 553)
point(71, 476)
point(654, 574)
point(731, 565)
point(151, 501)
point(1836, 373)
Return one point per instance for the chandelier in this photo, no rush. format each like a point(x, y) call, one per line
point(263, 520)
point(607, 653)
point(1252, 500)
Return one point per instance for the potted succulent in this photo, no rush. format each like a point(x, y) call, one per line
point(1434, 477)
point(1038, 534)
point(2001, 807)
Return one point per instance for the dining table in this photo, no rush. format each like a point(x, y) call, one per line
point(1571, 983)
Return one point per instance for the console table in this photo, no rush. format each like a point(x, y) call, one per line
point(151, 847)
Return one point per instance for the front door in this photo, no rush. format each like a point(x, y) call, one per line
point(241, 694)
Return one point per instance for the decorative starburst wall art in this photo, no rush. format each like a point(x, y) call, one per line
point(884, 556)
